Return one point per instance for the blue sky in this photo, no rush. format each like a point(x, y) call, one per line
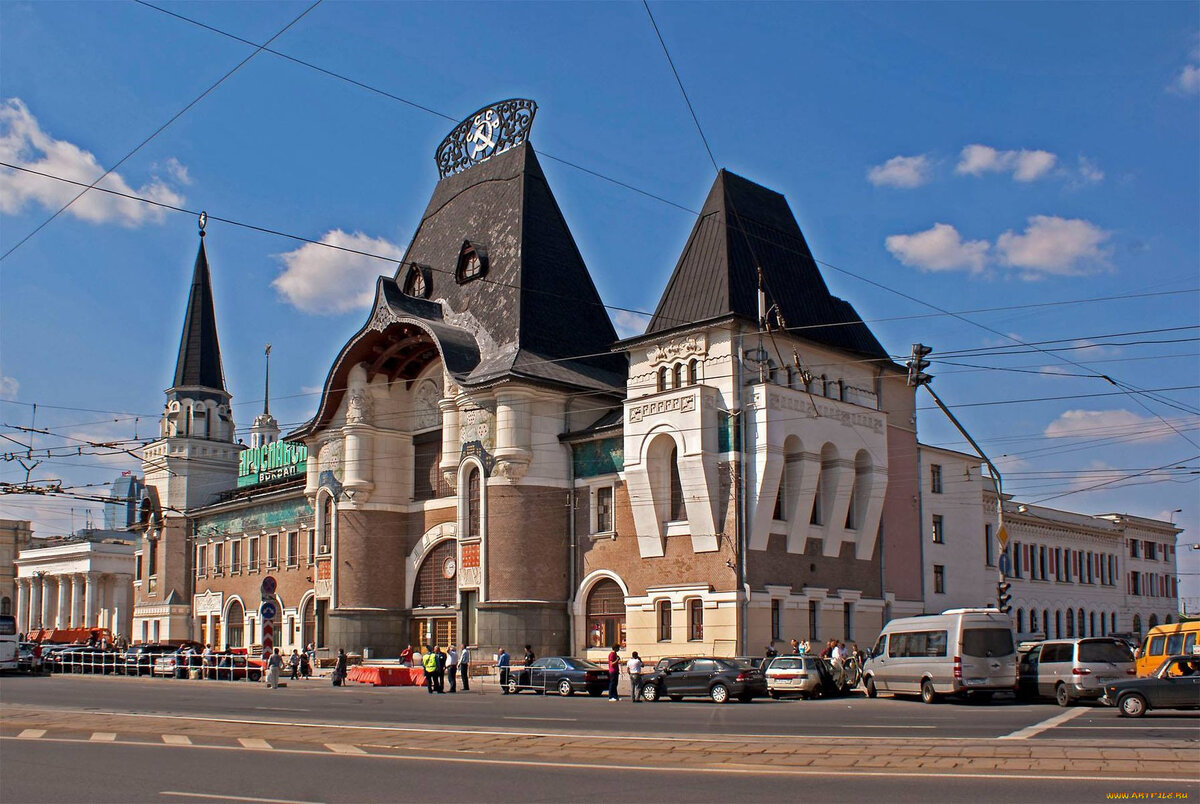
point(948, 157)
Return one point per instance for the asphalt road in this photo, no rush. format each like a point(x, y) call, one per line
point(43, 771)
point(315, 701)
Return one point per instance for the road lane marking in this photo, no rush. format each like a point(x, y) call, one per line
point(103, 737)
point(728, 768)
point(343, 748)
point(1045, 725)
point(176, 739)
point(254, 742)
point(223, 797)
point(31, 734)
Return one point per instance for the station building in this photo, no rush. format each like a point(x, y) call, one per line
point(489, 464)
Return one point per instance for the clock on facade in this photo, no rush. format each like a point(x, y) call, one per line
point(449, 567)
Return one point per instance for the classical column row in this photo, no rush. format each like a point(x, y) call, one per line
point(75, 600)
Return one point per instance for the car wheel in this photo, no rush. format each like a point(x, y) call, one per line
point(650, 693)
point(928, 693)
point(1132, 705)
point(1062, 696)
point(774, 695)
point(719, 693)
point(564, 688)
point(254, 676)
point(513, 689)
point(871, 691)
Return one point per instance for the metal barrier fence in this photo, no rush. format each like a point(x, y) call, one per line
point(216, 667)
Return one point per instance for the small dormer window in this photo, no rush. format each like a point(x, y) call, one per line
point(416, 283)
point(472, 262)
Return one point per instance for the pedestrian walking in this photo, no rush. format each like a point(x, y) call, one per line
point(429, 662)
point(439, 676)
point(502, 663)
point(294, 663)
point(206, 662)
point(274, 665)
point(634, 666)
point(305, 666)
point(529, 655)
point(339, 668)
point(406, 657)
point(464, 666)
point(451, 666)
point(614, 672)
point(310, 650)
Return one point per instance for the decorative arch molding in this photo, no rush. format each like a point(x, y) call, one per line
point(424, 546)
point(579, 605)
point(229, 603)
point(473, 463)
point(698, 479)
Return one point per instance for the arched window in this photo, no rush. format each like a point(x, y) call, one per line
point(677, 376)
point(1045, 621)
point(678, 512)
point(235, 625)
point(693, 371)
point(1137, 624)
point(1070, 622)
point(1033, 621)
point(695, 613)
point(5, 605)
point(663, 609)
point(1166, 621)
point(329, 512)
point(1082, 623)
point(1020, 621)
point(473, 503)
point(308, 622)
point(662, 379)
point(823, 499)
point(1153, 620)
point(1112, 622)
point(432, 586)
point(1091, 623)
point(606, 614)
point(860, 492)
point(1058, 632)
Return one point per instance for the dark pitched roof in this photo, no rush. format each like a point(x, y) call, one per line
point(536, 313)
point(199, 362)
point(743, 226)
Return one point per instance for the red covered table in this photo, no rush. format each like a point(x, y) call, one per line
point(385, 676)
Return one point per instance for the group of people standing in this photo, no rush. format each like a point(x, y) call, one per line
point(440, 665)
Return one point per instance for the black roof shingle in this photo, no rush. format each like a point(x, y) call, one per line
point(199, 363)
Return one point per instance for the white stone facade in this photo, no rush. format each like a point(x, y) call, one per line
point(76, 585)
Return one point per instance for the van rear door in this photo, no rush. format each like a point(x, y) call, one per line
point(988, 655)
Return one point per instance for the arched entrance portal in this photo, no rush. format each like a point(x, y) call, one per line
point(235, 625)
point(435, 593)
point(308, 622)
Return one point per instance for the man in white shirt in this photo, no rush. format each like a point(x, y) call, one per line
point(464, 665)
point(634, 666)
point(451, 666)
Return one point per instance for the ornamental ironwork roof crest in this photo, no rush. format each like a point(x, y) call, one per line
point(491, 130)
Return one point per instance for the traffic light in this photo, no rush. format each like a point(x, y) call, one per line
point(917, 365)
point(1003, 596)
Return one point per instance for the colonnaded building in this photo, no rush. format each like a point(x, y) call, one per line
point(489, 464)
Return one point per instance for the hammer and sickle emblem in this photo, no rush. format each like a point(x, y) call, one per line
point(482, 136)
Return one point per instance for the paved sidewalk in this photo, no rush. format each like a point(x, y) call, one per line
point(1161, 760)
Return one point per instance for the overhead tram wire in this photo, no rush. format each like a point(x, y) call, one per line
point(158, 131)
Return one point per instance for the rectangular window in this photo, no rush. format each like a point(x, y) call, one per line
point(156, 630)
point(989, 546)
point(695, 620)
point(428, 481)
point(153, 548)
point(137, 566)
point(813, 620)
point(293, 554)
point(776, 616)
point(1016, 559)
point(1090, 563)
point(1042, 563)
point(848, 619)
point(252, 559)
point(272, 550)
point(939, 535)
point(935, 478)
point(219, 558)
point(235, 555)
point(1133, 548)
point(939, 579)
point(201, 560)
point(604, 509)
point(664, 620)
point(1057, 563)
point(312, 546)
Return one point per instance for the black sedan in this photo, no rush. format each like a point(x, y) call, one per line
point(1174, 685)
point(719, 679)
point(565, 675)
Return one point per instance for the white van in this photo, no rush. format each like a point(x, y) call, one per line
point(957, 652)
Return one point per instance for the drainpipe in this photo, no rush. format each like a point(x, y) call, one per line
point(740, 491)
point(570, 529)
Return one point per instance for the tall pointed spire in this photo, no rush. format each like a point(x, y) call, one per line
point(199, 364)
point(265, 429)
point(267, 390)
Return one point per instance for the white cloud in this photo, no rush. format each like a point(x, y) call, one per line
point(1097, 473)
point(178, 171)
point(1053, 246)
point(324, 280)
point(1089, 171)
point(629, 324)
point(1025, 165)
point(23, 142)
point(9, 387)
point(940, 248)
point(1188, 81)
point(901, 171)
point(1126, 424)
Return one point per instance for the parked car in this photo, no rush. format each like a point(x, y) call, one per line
point(234, 667)
point(1069, 670)
point(25, 657)
point(1171, 639)
point(565, 675)
point(1174, 685)
point(139, 659)
point(794, 675)
point(958, 652)
point(719, 679)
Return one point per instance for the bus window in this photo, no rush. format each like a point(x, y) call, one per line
point(1156, 646)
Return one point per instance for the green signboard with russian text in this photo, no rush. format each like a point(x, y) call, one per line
point(271, 462)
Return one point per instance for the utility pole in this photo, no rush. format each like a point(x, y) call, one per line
point(917, 363)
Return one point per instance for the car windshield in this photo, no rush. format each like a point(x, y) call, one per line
point(581, 664)
point(1115, 652)
point(985, 642)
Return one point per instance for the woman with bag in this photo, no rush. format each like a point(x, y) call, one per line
point(339, 669)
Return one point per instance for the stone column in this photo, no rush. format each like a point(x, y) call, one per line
point(35, 604)
point(63, 620)
point(47, 583)
point(23, 605)
point(90, 599)
point(77, 600)
point(119, 613)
